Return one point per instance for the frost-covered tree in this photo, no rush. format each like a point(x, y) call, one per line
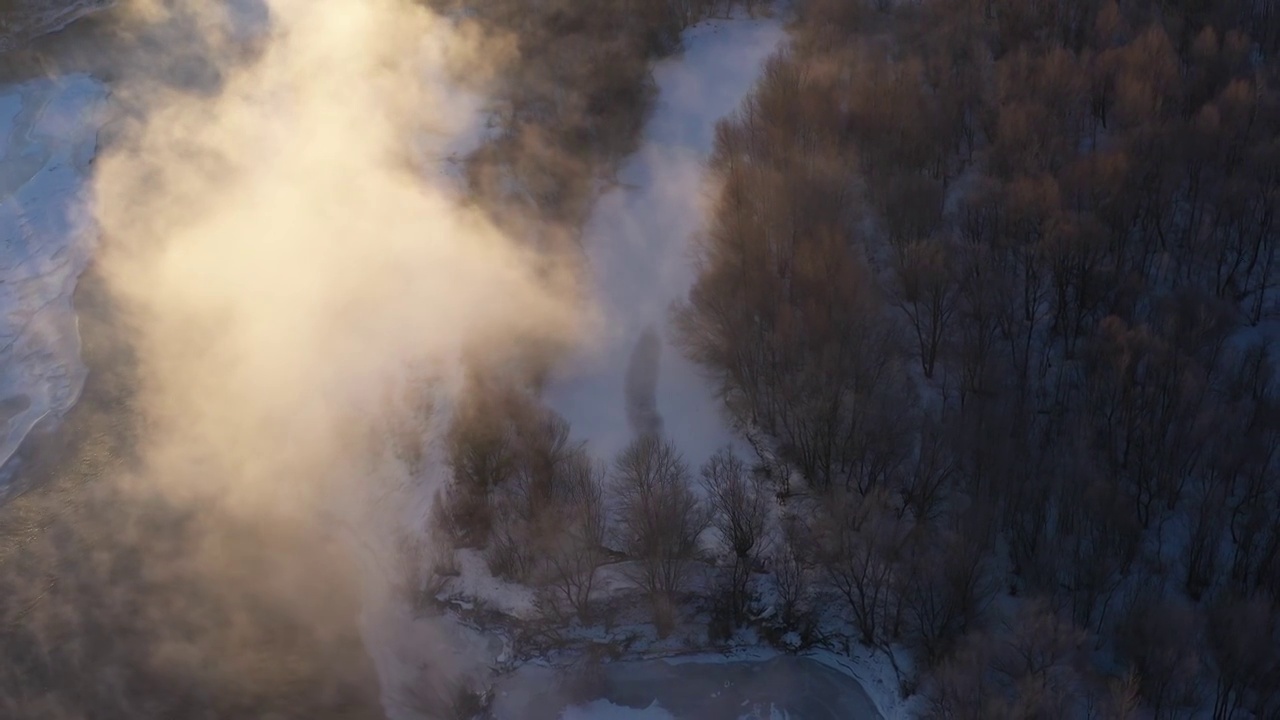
point(660, 521)
point(740, 505)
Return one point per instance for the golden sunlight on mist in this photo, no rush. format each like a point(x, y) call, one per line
point(286, 269)
point(287, 264)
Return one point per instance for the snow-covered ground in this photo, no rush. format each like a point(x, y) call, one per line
point(637, 244)
point(48, 136)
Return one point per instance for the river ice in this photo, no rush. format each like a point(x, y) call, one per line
point(701, 688)
point(48, 137)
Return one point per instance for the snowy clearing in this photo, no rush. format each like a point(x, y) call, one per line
point(637, 244)
point(49, 130)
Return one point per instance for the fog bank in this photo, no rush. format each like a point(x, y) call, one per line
point(289, 266)
point(638, 249)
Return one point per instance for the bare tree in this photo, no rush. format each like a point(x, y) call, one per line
point(509, 554)
point(1244, 644)
point(577, 548)
point(949, 584)
point(791, 578)
point(526, 508)
point(926, 483)
point(1031, 665)
point(1162, 639)
point(860, 541)
point(739, 512)
point(481, 455)
point(1026, 667)
point(660, 520)
point(928, 295)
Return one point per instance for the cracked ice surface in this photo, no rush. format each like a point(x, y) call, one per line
point(48, 137)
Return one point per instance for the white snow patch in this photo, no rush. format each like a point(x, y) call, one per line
point(637, 244)
point(475, 582)
point(49, 136)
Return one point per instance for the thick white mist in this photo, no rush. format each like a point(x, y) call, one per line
point(288, 268)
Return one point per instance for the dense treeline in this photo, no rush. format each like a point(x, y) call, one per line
point(990, 287)
point(998, 279)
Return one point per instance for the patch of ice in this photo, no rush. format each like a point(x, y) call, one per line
point(874, 672)
point(704, 686)
point(50, 131)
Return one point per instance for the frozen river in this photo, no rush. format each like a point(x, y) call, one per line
point(48, 137)
point(784, 687)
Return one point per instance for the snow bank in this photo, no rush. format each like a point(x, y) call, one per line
point(475, 583)
point(49, 130)
point(637, 244)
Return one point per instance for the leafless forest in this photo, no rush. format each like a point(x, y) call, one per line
point(999, 279)
point(990, 286)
